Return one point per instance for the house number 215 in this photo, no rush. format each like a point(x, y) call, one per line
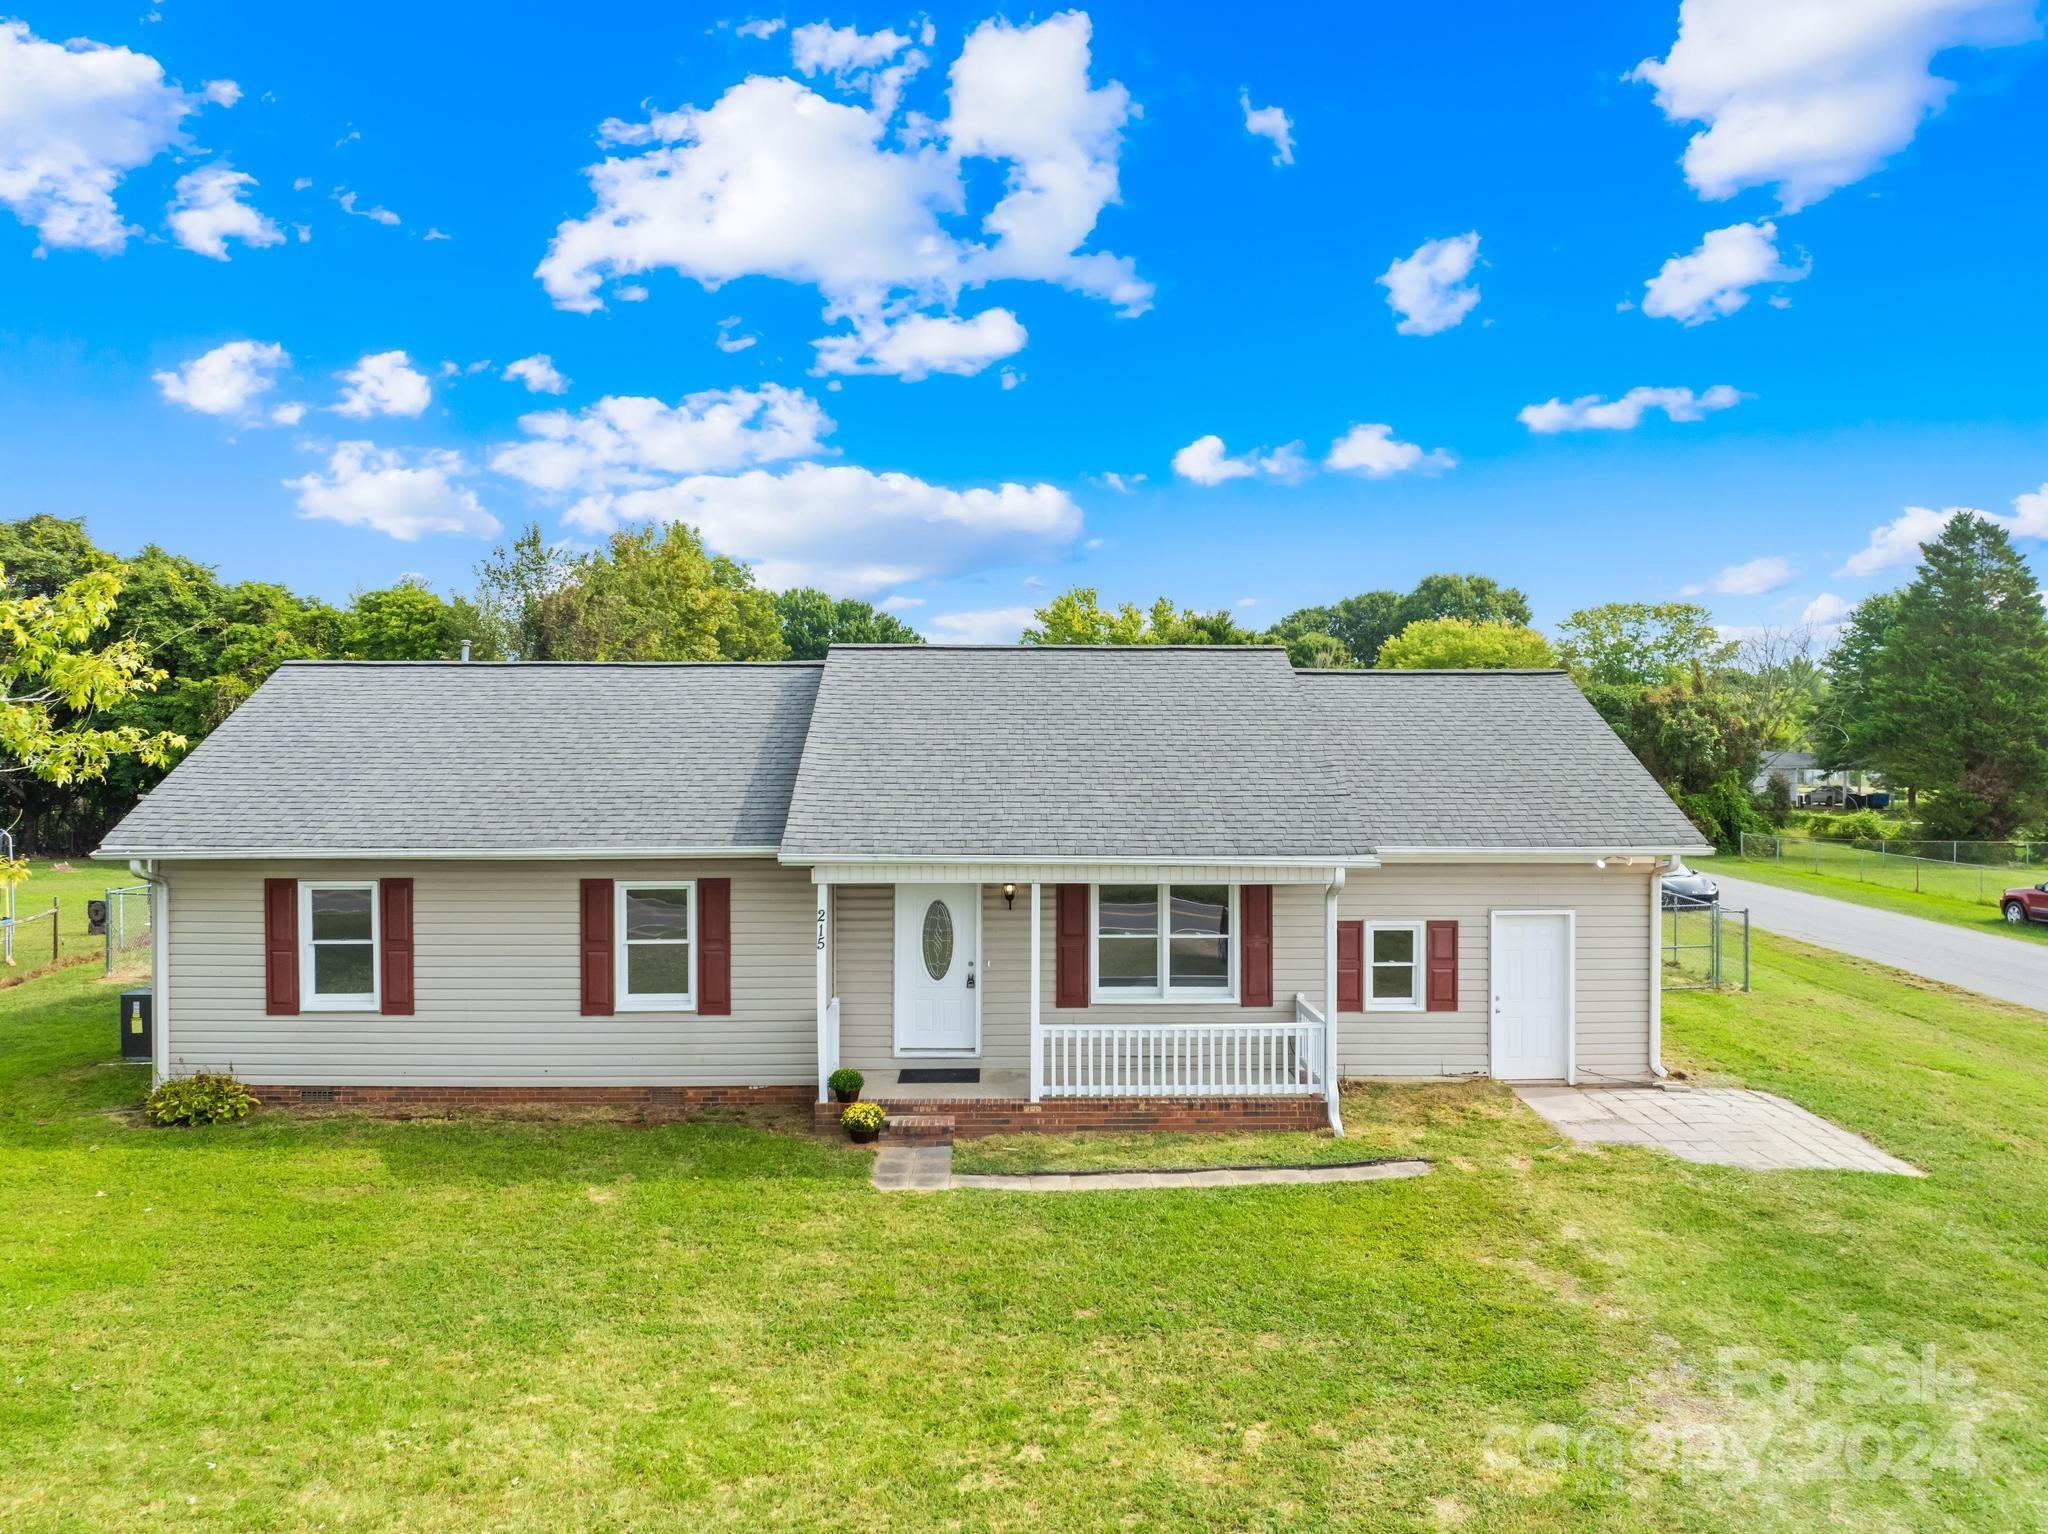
point(821, 928)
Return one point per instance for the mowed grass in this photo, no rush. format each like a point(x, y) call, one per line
point(501, 1324)
point(1981, 915)
point(70, 884)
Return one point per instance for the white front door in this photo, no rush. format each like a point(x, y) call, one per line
point(1532, 996)
point(938, 941)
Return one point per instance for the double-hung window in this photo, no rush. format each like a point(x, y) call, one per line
point(657, 947)
point(1394, 958)
point(1165, 942)
point(338, 947)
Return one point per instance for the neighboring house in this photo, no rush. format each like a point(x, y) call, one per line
point(1798, 768)
point(1121, 885)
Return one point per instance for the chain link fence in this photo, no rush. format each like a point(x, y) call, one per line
point(125, 919)
point(1703, 946)
point(1976, 871)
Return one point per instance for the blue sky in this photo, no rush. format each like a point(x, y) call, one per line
point(1052, 259)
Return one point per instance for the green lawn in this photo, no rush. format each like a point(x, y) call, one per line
point(579, 1323)
point(70, 884)
point(1982, 915)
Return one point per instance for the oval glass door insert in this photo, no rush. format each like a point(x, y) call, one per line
point(938, 940)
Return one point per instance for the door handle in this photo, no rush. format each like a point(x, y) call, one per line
point(970, 974)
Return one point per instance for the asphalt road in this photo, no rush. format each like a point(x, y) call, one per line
point(2009, 968)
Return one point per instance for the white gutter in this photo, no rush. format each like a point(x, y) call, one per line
point(433, 854)
point(1657, 970)
point(159, 968)
point(1331, 1093)
point(1041, 859)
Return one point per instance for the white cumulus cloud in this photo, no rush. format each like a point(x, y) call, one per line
point(384, 383)
point(208, 211)
point(75, 119)
point(1205, 462)
point(1429, 290)
point(1716, 278)
point(384, 489)
point(1752, 578)
point(1271, 124)
point(1593, 412)
point(776, 179)
point(1824, 611)
point(856, 60)
point(1373, 450)
point(629, 442)
point(1898, 541)
point(921, 344)
point(538, 373)
point(851, 529)
point(987, 625)
point(227, 380)
point(1811, 96)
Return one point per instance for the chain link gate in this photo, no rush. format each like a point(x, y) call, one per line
point(1702, 945)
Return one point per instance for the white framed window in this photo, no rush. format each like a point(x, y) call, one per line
point(656, 953)
point(1165, 942)
point(1393, 958)
point(338, 946)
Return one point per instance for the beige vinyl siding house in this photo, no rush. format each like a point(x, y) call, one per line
point(1126, 877)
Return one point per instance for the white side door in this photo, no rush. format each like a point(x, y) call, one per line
point(938, 942)
point(1532, 995)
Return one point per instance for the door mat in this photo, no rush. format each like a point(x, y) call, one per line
point(932, 1075)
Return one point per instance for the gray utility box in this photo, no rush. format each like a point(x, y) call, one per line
point(138, 1026)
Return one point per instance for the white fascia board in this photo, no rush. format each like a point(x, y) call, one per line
point(1410, 855)
point(435, 854)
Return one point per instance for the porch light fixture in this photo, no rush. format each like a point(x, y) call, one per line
point(1010, 897)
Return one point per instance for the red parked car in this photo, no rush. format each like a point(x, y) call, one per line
point(2025, 904)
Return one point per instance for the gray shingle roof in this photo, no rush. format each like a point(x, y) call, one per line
point(1490, 759)
point(956, 751)
point(350, 756)
point(1196, 754)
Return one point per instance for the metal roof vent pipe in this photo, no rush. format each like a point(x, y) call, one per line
point(465, 652)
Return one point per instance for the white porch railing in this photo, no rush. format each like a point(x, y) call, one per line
point(1184, 1060)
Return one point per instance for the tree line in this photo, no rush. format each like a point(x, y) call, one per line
point(1940, 686)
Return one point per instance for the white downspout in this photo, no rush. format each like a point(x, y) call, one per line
point(1330, 1093)
point(159, 967)
point(1035, 1078)
point(1657, 866)
point(828, 1053)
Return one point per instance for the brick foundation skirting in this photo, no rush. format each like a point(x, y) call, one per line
point(651, 1102)
point(976, 1116)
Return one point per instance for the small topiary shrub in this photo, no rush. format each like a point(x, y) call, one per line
point(863, 1121)
point(846, 1083)
point(201, 1099)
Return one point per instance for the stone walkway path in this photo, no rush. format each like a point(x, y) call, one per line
point(1719, 1126)
point(929, 1169)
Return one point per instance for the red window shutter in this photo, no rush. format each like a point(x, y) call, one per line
point(1255, 912)
point(597, 948)
point(1350, 966)
point(714, 947)
point(394, 942)
point(1070, 946)
point(281, 947)
point(1442, 949)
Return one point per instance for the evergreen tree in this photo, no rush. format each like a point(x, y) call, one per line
point(1958, 694)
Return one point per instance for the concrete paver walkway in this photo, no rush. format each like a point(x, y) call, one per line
point(929, 1169)
point(1719, 1126)
point(2010, 968)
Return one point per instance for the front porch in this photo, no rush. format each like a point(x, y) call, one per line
point(942, 976)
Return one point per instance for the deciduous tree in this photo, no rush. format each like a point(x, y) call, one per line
point(1459, 643)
